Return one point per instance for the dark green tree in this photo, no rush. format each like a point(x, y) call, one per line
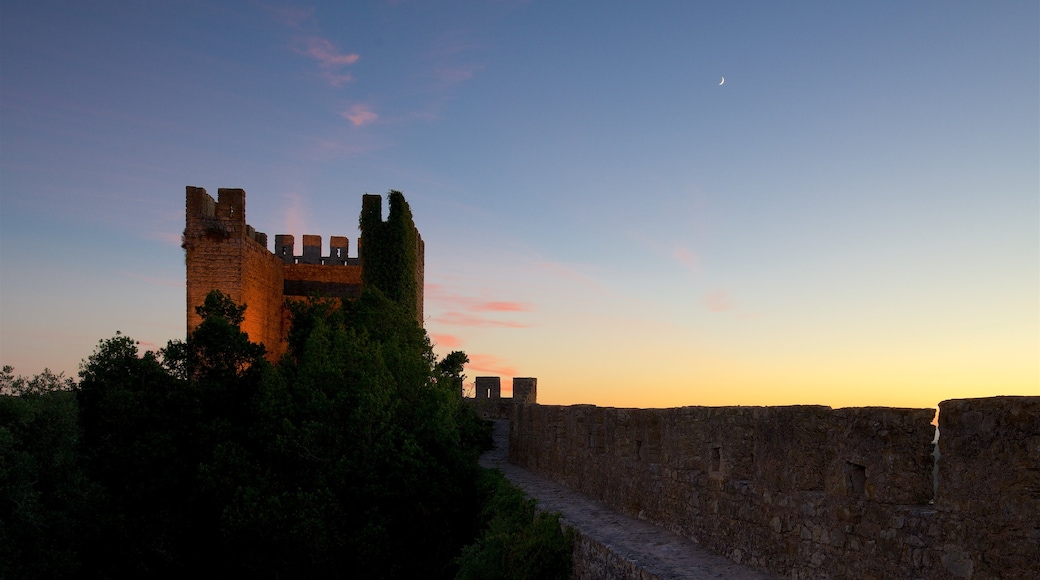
point(44, 494)
point(367, 394)
point(137, 423)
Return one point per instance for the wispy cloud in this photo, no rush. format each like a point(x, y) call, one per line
point(465, 319)
point(323, 51)
point(687, 258)
point(446, 340)
point(295, 214)
point(719, 301)
point(146, 345)
point(488, 363)
point(448, 62)
point(168, 238)
point(328, 57)
point(569, 273)
point(500, 306)
point(438, 294)
point(290, 16)
point(359, 115)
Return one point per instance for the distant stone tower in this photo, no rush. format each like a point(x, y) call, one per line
point(489, 402)
point(525, 390)
point(222, 252)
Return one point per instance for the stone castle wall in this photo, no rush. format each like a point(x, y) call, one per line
point(812, 492)
point(223, 252)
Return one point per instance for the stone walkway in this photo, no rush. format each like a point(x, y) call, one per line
point(658, 551)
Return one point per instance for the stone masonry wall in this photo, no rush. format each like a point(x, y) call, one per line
point(989, 486)
point(223, 252)
point(808, 491)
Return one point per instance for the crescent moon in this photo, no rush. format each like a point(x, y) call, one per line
point(722, 81)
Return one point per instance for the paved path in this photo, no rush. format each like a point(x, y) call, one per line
point(661, 552)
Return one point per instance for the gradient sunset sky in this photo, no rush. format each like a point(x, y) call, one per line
point(851, 218)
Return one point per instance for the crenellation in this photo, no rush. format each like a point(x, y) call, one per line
point(231, 206)
point(284, 247)
point(339, 247)
point(488, 399)
point(311, 250)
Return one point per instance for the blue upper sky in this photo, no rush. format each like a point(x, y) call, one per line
point(852, 217)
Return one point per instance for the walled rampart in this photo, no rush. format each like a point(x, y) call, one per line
point(808, 491)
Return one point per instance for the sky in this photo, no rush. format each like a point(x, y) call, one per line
point(850, 218)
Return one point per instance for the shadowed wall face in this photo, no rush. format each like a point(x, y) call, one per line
point(809, 491)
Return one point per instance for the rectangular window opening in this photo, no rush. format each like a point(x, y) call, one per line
point(716, 459)
point(855, 479)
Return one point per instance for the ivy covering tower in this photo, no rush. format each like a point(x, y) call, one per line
point(392, 252)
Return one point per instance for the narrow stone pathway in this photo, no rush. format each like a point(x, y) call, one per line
point(662, 553)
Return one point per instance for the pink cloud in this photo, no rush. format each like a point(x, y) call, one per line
point(436, 293)
point(337, 80)
point(463, 319)
point(489, 364)
point(295, 215)
point(323, 51)
point(359, 115)
point(719, 301)
point(565, 272)
point(687, 258)
point(500, 306)
point(329, 58)
point(446, 340)
point(168, 238)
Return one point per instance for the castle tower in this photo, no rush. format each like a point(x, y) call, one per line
point(223, 253)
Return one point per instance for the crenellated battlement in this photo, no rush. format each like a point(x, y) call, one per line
point(489, 402)
point(222, 218)
point(339, 246)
